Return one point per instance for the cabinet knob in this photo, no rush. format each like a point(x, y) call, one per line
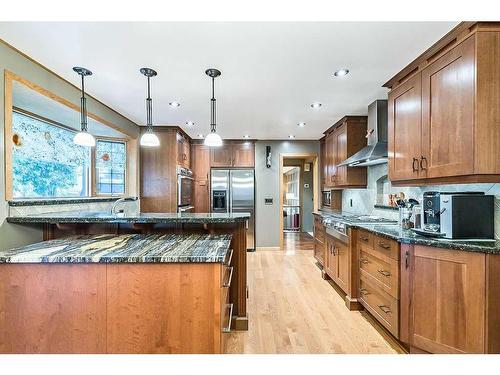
point(364, 260)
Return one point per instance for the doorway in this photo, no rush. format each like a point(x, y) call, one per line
point(299, 195)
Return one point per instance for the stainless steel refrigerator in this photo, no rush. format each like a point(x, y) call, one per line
point(232, 191)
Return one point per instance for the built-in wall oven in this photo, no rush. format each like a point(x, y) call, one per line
point(184, 189)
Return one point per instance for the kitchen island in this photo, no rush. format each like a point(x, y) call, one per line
point(129, 293)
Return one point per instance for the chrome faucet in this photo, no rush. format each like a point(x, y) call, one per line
point(118, 201)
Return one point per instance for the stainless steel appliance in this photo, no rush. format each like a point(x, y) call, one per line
point(458, 215)
point(233, 191)
point(184, 189)
point(326, 200)
point(376, 150)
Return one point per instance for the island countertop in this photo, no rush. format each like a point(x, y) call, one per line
point(127, 248)
point(79, 217)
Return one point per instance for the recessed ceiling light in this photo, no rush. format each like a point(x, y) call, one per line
point(341, 72)
point(246, 136)
point(316, 105)
point(189, 123)
point(301, 124)
point(174, 104)
point(200, 135)
point(291, 136)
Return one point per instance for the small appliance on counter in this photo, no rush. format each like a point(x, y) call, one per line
point(459, 215)
point(326, 198)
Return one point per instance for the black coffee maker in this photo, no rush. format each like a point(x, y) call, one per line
point(431, 211)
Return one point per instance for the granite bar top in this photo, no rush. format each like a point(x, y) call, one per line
point(129, 248)
point(52, 201)
point(406, 236)
point(78, 217)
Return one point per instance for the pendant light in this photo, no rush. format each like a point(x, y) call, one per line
point(83, 137)
point(213, 139)
point(149, 139)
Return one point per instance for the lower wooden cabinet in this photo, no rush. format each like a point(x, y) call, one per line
point(450, 301)
point(338, 263)
point(319, 239)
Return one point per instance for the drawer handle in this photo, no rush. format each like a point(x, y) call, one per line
point(364, 261)
point(385, 273)
point(415, 169)
point(364, 239)
point(384, 246)
point(422, 160)
point(228, 283)
point(363, 292)
point(228, 327)
point(228, 263)
point(384, 308)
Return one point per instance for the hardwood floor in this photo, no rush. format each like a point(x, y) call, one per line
point(293, 310)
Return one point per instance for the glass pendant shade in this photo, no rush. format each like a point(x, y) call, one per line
point(84, 138)
point(213, 140)
point(149, 139)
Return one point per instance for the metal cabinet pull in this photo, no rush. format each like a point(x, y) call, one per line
point(407, 258)
point(422, 159)
point(384, 246)
point(384, 308)
point(364, 261)
point(227, 284)
point(363, 292)
point(415, 169)
point(228, 327)
point(385, 273)
point(364, 239)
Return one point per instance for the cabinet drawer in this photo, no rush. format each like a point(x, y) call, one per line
point(364, 237)
point(386, 247)
point(384, 274)
point(380, 304)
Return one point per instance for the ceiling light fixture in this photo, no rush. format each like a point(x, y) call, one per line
point(174, 104)
point(189, 123)
point(213, 139)
point(149, 139)
point(83, 137)
point(291, 136)
point(246, 136)
point(301, 124)
point(316, 105)
point(200, 135)
point(341, 72)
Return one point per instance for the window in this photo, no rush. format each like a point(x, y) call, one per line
point(45, 161)
point(110, 167)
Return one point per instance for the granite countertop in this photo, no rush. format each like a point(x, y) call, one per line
point(406, 236)
point(128, 248)
point(138, 218)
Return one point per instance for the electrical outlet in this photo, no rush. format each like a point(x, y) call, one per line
point(350, 202)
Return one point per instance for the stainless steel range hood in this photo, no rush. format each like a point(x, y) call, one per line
point(376, 151)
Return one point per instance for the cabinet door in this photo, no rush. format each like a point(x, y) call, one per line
point(448, 300)
point(340, 137)
point(200, 162)
point(180, 150)
point(405, 120)
point(322, 162)
point(319, 251)
point(448, 113)
point(243, 154)
point(342, 255)
point(222, 156)
point(187, 154)
point(330, 258)
point(330, 159)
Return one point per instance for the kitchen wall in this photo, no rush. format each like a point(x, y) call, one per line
point(363, 200)
point(267, 217)
point(12, 235)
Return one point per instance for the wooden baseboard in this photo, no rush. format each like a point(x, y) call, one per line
point(267, 248)
point(353, 304)
point(240, 323)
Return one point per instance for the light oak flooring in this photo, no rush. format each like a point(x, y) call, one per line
point(293, 310)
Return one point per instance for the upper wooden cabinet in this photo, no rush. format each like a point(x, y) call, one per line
point(233, 154)
point(200, 164)
point(444, 114)
point(343, 140)
point(183, 151)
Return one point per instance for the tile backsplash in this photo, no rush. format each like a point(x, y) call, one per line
point(363, 200)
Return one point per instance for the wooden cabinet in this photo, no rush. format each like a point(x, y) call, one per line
point(379, 278)
point(233, 154)
point(337, 262)
point(183, 151)
point(319, 239)
point(343, 140)
point(444, 112)
point(322, 163)
point(200, 163)
point(450, 300)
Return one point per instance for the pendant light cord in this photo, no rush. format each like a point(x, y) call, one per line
point(149, 110)
point(213, 109)
point(83, 105)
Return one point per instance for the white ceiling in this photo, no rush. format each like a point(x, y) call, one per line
point(271, 72)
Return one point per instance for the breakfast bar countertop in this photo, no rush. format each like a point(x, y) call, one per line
point(82, 217)
point(126, 248)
